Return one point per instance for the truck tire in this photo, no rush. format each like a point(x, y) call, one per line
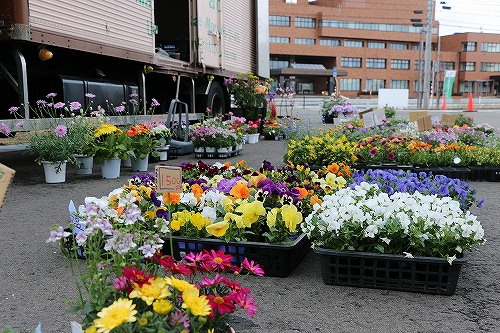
point(215, 99)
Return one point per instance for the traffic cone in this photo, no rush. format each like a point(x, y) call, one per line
point(470, 105)
point(443, 107)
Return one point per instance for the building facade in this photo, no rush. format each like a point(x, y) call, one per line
point(360, 46)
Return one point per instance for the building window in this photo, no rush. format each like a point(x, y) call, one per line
point(350, 62)
point(307, 41)
point(305, 22)
point(400, 84)
point(417, 64)
point(376, 45)
point(350, 84)
point(468, 66)
point(372, 26)
point(490, 67)
point(282, 21)
point(399, 46)
point(400, 64)
point(469, 46)
point(279, 40)
point(446, 66)
point(374, 85)
point(353, 43)
point(465, 87)
point(274, 64)
point(329, 42)
point(291, 1)
point(490, 47)
point(375, 63)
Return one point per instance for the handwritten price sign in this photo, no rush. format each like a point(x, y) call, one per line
point(168, 178)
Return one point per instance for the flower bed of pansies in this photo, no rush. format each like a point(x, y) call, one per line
point(398, 142)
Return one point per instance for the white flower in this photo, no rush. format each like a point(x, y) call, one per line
point(457, 160)
point(408, 255)
point(451, 259)
point(371, 231)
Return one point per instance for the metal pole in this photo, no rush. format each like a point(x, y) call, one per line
point(419, 82)
point(428, 47)
point(437, 85)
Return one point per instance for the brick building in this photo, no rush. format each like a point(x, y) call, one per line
point(372, 45)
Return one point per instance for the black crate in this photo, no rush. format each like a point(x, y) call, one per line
point(391, 272)
point(277, 260)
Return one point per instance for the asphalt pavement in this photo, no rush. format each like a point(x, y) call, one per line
point(35, 281)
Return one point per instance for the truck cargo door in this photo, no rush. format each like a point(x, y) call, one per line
point(209, 22)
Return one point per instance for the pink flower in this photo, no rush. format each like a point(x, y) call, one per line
point(74, 106)
point(252, 267)
point(120, 283)
point(59, 105)
point(89, 95)
point(120, 108)
point(51, 95)
point(5, 129)
point(61, 130)
point(247, 304)
point(13, 109)
point(20, 124)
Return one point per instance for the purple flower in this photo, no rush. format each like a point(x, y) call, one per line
point(59, 105)
point(89, 95)
point(154, 102)
point(119, 109)
point(5, 129)
point(74, 106)
point(13, 109)
point(61, 130)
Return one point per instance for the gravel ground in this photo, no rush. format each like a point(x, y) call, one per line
point(35, 281)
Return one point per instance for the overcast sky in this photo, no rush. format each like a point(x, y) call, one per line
point(468, 16)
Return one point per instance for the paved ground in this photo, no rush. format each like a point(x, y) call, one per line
point(35, 282)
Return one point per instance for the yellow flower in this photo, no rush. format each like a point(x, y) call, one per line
point(236, 218)
point(218, 229)
point(199, 221)
point(143, 321)
point(271, 217)
point(180, 285)
point(156, 289)
point(162, 307)
point(198, 305)
point(291, 216)
point(251, 211)
point(105, 129)
point(91, 329)
point(121, 311)
point(227, 203)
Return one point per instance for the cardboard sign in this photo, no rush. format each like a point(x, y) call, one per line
point(373, 118)
point(78, 225)
point(168, 179)
point(424, 124)
point(415, 115)
point(448, 120)
point(6, 177)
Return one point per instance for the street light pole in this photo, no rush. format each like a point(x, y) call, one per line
point(428, 47)
point(419, 82)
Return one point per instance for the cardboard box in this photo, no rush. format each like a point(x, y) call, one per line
point(415, 115)
point(6, 177)
point(424, 124)
point(448, 120)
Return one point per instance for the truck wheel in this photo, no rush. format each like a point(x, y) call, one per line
point(215, 99)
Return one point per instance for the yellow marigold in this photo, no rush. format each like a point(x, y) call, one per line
point(218, 229)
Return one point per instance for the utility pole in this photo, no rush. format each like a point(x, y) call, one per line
point(428, 47)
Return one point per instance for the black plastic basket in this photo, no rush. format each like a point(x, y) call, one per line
point(277, 260)
point(392, 272)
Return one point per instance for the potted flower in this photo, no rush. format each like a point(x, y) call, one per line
point(111, 145)
point(249, 93)
point(401, 232)
point(54, 148)
point(334, 104)
point(252, 131)
point(141, 145)
point(81, 131)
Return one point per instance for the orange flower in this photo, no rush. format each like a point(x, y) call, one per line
point(240, 190)
point(255, 179)
point(175, 198)
point(303, 192)
point(334, 168)
point(197, 191)
point(315, 200)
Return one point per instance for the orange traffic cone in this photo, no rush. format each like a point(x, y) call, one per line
point(470, 105)
point(443, 107)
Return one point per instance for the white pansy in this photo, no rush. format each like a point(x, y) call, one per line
point(209, 212)
point(371, 231)
point(189, 199)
